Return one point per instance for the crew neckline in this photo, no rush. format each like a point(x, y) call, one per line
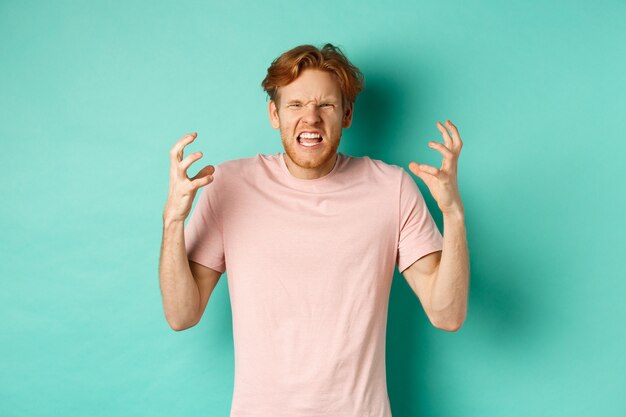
point(288, 174)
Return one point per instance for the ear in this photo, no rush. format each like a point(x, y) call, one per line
point(273, 113)
point(347, 115)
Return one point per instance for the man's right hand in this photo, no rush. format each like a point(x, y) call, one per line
point(182, 188)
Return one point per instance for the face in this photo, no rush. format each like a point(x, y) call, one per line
point(311, 104)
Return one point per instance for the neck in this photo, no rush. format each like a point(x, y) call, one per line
point(309, 173)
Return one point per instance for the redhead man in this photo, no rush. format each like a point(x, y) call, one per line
point(310, 239)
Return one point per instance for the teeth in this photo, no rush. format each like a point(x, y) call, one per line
point(309, 135)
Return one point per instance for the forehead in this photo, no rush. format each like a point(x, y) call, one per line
point(312, 84)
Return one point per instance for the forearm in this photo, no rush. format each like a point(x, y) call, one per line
point(449, 292)
point(181, 297)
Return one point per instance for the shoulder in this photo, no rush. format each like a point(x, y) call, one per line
point(384, 166)
point(235, 164)
point(240, 167)
point(377, 169)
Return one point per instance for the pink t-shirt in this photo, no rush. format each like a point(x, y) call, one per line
point(309, 266)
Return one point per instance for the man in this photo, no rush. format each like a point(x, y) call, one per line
point(310, 239)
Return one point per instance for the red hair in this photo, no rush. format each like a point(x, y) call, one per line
point(288, 66)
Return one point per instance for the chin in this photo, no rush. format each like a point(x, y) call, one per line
point(311, 160)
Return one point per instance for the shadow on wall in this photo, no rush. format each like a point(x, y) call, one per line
point(380, 109)
point(377, 110)
point(386, 104)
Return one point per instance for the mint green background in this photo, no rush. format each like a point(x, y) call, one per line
point(93, 96)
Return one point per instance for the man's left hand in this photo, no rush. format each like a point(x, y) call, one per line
point(442, 182)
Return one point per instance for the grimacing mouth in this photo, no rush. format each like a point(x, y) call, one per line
point(310, 131)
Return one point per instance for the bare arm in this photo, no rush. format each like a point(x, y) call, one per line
point(185, 286)
point(442, 281)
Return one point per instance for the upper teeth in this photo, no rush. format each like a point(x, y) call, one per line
point(309, 135)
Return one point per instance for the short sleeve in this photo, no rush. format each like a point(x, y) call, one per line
point(419, 234)
point(203, 233)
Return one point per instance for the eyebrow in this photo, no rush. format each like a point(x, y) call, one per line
point(323, 101)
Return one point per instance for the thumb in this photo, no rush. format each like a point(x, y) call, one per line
point(415, 168)
point(206, 171)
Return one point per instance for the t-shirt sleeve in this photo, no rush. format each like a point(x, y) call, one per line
point(203, 233)
point(419, 234)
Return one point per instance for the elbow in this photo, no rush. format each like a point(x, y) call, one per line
point(179, 325)
point(449, 326)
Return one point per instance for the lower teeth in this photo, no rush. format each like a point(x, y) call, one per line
point(309, 144)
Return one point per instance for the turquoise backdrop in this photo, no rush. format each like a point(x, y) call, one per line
point(94, 94)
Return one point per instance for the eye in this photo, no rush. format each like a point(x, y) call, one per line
point(327, 105)
point(294, 105)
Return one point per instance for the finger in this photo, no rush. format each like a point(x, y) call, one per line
point(447, 163)
point(414, 168)
point(447, 153)
point(207, 170)
point(423, 168)
point(428, 169)
point(446, 136)
point(186, 163)
point(201, 181)
point(424, 176)
point(455, 134)
point(176, 153)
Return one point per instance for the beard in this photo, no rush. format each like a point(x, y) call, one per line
point(309, 159)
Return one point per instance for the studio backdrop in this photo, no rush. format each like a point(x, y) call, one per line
point(94, 94)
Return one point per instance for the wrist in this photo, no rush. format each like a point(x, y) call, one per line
point(169, 221)
point(456, 213)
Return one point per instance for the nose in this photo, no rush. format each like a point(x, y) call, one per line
point(311, 114)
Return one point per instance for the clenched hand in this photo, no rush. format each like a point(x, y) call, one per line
point(442, 182)
point(182, 188)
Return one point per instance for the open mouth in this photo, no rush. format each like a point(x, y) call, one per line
point(310, 140)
